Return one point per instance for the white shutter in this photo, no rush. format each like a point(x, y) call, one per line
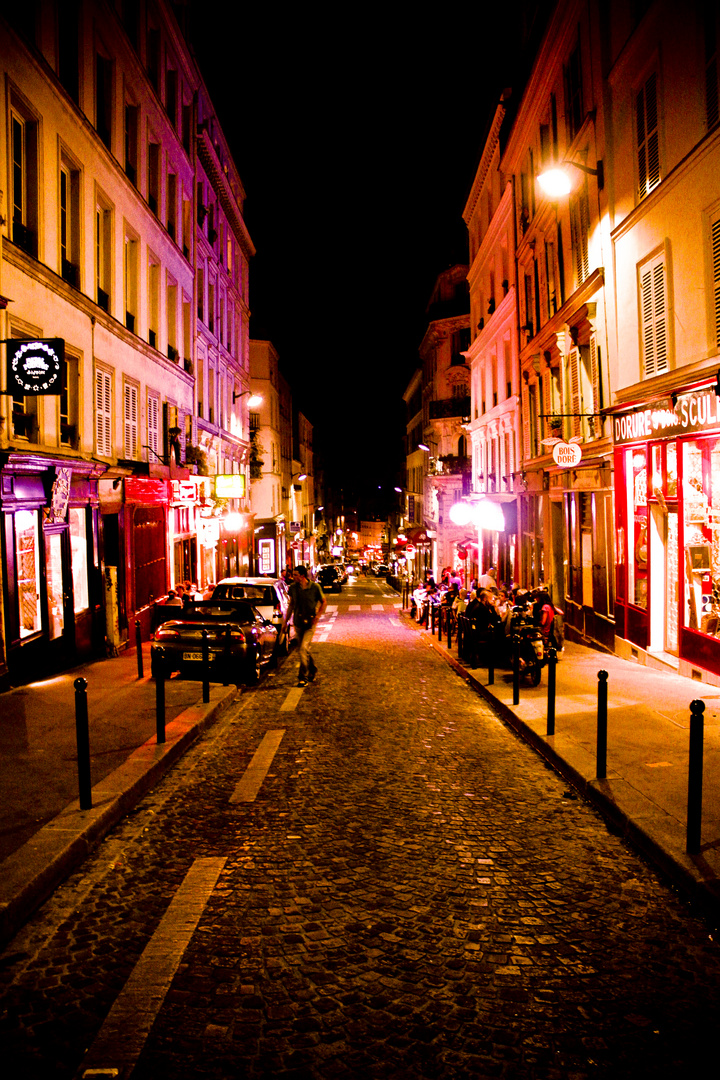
point(103, 413)
point(574, 389)
point(654, 318)
point(131, 421)
point(153, 425)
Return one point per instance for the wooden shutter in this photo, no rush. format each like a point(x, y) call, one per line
point(574, 389)
point(103, 413)
point(525, 422)
point(131, 421)
point(654, 318)
point(648, 146)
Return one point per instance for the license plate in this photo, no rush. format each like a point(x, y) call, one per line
point(192, 656)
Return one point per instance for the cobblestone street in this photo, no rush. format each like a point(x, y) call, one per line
point(398, 887)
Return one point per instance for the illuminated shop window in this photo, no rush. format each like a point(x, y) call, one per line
point(637, 519)
point(27, 568)
point(701, 501)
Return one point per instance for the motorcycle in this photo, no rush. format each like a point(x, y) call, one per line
point(531, 648)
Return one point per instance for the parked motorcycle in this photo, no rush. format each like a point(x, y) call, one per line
point(531, 647)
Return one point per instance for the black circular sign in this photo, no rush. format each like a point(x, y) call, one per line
point(35, 367)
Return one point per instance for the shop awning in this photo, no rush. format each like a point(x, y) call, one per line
point(417, 535)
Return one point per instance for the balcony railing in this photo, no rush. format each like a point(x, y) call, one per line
point(454, 406)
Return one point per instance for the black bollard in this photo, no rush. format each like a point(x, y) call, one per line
point(160, 695)
point(82, 732)
point(432, 619)
point(491, 656)
point(138, 646)
point(552, 674)
point(695, 777)
point(516, 669)
point(206, 666)
point(602, 725)
point(448, 620)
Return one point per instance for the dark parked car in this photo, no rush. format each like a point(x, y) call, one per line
point(240, 642)
point(328, 579)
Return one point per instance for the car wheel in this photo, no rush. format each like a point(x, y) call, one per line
point(253, 671)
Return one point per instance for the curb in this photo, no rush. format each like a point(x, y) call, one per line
point(703, 893)
point(30, 874)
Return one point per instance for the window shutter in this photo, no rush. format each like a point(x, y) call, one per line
point(131, 421)
point(574, 386)
point(647, 137)
point(153, 424)
point(715, 238)
point(654, 319)
point(103, 413)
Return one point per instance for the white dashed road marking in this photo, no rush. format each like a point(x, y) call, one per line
point(119, 1042)
point(251, 780)
point(291, 701)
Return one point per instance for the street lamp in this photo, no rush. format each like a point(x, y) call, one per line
point(255, 399)
point(422, 446)
point(558, 181)
point(299, 475)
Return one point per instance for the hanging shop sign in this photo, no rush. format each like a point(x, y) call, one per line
point(566, 454)
point(695, 411)
point(35, 367)
point(230, 486)
point(266, 556)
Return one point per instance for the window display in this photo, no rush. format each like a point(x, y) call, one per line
point(701, 499)
point(637, 519)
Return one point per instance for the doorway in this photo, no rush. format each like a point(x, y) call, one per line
point(664, 579)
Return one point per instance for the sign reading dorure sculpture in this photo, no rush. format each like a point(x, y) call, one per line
point(35, 367)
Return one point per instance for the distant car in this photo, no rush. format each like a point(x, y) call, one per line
point(381, 570)
point(269, 595)
point(240, 642)
point(342, 571)
point(328, 579)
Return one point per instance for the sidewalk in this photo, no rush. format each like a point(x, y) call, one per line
point(645, 793)
point(44, 834)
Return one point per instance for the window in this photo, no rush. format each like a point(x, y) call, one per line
point(172, 205)
point(153, 176)
point(715, 262)
point(24, 182)
point(171, 96)
point(153, 299)
point(131, 142)
point(103, 413)
point(153, 426)
point(27, 571)
point(171, 319)
point(103, 260)
point(648, 146)
point(79, 554)
point(579, 230)
point(69, 401)
point(573, 93)
point(69, 222)
point(131, 282)
point(68, 37)
point(103, 98)
point(653, 317)
point(130, 420)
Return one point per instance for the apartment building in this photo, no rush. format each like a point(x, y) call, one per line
point(108, 150)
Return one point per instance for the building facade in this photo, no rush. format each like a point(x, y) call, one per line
point(108, 150)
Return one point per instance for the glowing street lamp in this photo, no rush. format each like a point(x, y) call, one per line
point(559, 181)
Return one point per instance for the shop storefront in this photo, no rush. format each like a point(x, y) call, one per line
point(52, 599)
point(667, 517)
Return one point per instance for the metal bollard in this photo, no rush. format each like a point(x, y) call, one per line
point(516, 669)
point(602, 725)
point(160, 695)
point(82, 732)
point(695, 777)
point(138, 646)
point(432, 619)
point(552, 675)
point(491, 656)
point(448, 620)
point(206, 666)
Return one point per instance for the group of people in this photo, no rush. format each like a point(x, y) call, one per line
point(490, 610)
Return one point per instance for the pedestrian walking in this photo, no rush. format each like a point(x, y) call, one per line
point(307, 604)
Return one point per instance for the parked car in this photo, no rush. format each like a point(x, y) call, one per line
point(381, 570)
point(328, 578)
point(240, 642)
point(269, 595)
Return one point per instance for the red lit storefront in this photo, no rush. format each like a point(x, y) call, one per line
point(667, 515)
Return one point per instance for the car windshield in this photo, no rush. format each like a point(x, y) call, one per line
point(219, 612)
point(262, 594)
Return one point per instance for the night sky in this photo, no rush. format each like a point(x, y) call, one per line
point(356, 132)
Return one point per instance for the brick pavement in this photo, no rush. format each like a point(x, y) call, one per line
point(413, 893)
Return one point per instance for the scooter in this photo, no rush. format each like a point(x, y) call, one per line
point(531, 648)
